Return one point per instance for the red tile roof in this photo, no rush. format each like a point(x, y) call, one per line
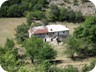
point(41, 31)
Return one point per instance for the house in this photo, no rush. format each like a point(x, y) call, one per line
point(49, 32)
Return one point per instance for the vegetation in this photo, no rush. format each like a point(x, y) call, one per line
point(39, 50)
point(81, 43)
point(89, 67)
point(9, 55)
point(17, 8)
point(37, 10)
point(63, 14)
point(83, 40)
point(22, 33)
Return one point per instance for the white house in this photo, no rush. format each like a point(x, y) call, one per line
point(49, 32)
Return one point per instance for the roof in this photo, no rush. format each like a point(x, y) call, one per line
point(40, 31)
point(48, 29)
point(56, 28)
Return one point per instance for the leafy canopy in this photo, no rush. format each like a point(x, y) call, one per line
point(39, 50)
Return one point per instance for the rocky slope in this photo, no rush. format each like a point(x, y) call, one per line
point(87, 8)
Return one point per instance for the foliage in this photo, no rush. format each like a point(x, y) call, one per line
point(86, 68)
point(18, 7)
point(30, 17)
point(45, 66)
point(21, 32)
point(34, 15)
point(38, 50)
point(83, 41)
point(79, 17)
point(45, 21)
point(73, 46)
point(63, 14)
point(53, 13)
point(9, 43)
point(8, 58)
point(3, 11)
point(14, 11)
point(70, 68)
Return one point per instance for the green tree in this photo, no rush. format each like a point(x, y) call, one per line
point(21, 32)
point(9, 56)
point(79, 17)
point(9, 43)
point(63, 15)
point(83, 41)
point(39, 15)
point(30, 17)
point(3, 11)
point(38, 50)
point(53, 13)
point(14, 11)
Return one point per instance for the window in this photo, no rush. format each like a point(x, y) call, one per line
point(51, 29)
point(63, 31)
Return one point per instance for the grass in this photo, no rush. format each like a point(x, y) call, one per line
point(7, 28)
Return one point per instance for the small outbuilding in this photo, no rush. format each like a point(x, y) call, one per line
point(50, 32)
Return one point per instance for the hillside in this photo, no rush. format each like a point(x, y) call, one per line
point(20, 8)
point(7, 30)
point(87, 8)
point(19, 53)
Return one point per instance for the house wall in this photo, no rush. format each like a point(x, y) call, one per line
point(53, 35)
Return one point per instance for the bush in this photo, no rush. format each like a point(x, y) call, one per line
point(9, 56)
point(9, 43)
point(22, 33)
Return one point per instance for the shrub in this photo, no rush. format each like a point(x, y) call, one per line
point(9, 56)
point(22, 33)
point(9, 43)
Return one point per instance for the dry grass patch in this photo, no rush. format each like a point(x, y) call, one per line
point(8, 26)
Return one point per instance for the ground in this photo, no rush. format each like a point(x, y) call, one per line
point(7, 30)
